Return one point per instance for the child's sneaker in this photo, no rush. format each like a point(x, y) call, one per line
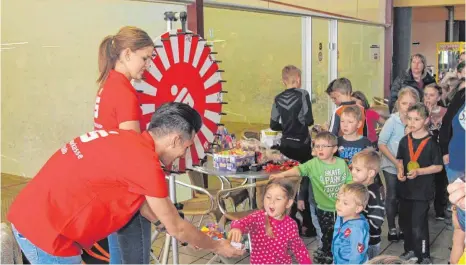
point(328, 260)
point(393, 235)
point(321, 257)
point(409, 256)
point(440, 217)
point(401, 235)
point(425, 261)
point(318, 254)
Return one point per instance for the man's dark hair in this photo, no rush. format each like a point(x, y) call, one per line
point(175, 117)
point(460, 67)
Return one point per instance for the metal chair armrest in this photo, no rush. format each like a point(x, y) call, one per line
point(223, 180)
point(211, 198)
point(222, 194)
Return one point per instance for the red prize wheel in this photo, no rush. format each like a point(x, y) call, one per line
point(183, 70)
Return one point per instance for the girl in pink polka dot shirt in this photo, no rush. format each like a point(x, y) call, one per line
point(273, 233)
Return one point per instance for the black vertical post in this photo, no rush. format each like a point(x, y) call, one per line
point(401, 40)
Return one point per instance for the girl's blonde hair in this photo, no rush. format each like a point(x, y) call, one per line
point(407, 91)
point(289, 188)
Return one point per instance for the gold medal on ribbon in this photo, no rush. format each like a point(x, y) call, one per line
point(412, 165)
point(414, 156)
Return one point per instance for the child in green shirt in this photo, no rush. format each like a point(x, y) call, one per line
point(327, 174)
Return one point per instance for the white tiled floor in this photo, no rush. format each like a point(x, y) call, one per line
point(440, 238)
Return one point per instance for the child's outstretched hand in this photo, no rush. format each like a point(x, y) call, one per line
point(235, 235)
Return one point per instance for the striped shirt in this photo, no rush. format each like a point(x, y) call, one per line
point(375, 211)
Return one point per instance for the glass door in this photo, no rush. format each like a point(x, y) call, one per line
point(320, 69)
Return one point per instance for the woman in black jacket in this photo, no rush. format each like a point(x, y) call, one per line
point(416, 77)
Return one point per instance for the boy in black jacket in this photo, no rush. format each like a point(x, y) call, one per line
point(366, 166)
point(292, 114)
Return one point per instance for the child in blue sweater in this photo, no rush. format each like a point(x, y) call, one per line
point(351, 234)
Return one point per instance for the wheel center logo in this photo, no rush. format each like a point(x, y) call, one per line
point(183, 70)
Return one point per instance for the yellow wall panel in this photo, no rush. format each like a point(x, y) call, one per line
point(254, 3)
point(48, 84)
point(253, 49)
point(371, 10)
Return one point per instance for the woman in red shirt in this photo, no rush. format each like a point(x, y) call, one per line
point(122, 58)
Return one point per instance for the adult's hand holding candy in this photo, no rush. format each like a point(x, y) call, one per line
point(225, 249)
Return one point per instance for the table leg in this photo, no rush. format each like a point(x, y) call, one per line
point(172, 186)
point(166, 249)
point(252, 194)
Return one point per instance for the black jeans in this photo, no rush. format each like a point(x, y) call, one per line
point(299, 151)
point(391, 201)
point(441, 197)
point(327, 224)
point(415, 225)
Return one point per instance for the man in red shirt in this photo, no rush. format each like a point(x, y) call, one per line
point(94, 184)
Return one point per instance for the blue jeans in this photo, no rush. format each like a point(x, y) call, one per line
point(315, 221)
point(373, 251)
point(114, 249)
point(134, 241)
point(36, 255)
point(452, 176)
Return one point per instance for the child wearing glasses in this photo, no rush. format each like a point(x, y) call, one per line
point(327, 173)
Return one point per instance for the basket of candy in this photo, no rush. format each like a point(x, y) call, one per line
point(217, 233)
point(233, 159)
point(280, 166)
point(213, 231)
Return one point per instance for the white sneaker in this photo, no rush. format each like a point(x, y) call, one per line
point(409, 256)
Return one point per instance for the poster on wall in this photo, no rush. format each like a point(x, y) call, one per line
point(375, 52)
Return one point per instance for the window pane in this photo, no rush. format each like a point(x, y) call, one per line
point(360, 50)
point(253, 48)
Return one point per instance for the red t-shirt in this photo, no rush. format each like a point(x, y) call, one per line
point(116, 102)
point(372, 117)
point(87, 190)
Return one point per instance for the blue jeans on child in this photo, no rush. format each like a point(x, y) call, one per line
point(36, 255)
point(315, 221)
point(373, 251)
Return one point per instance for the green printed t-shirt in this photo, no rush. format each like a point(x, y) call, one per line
point(326, 180)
